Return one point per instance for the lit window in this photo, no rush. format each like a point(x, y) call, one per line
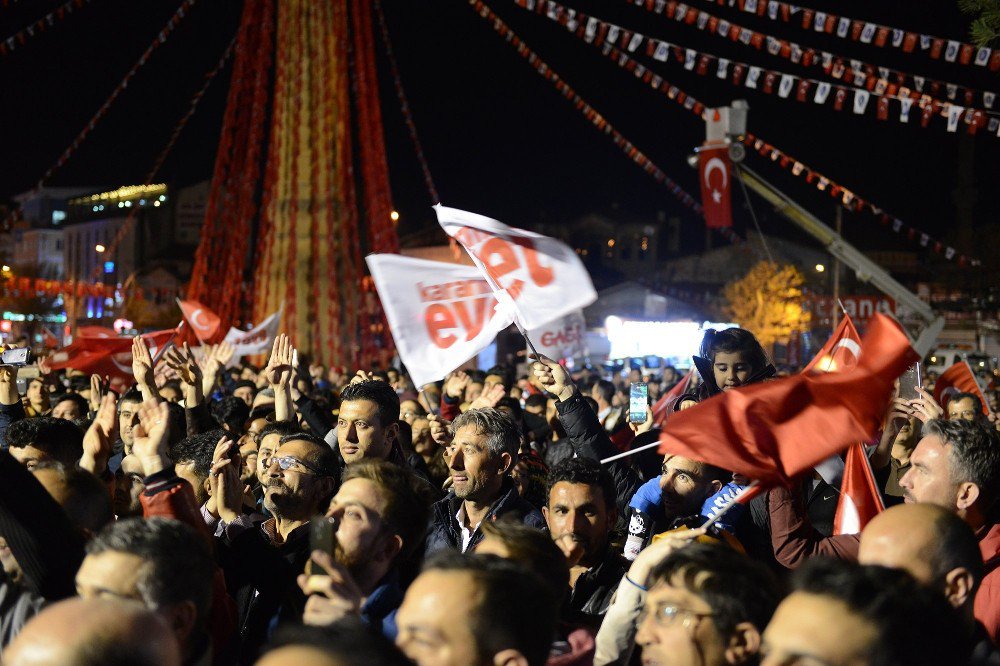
point(58, 216)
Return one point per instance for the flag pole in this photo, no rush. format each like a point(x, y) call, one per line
point(430, 405)
point(733, 502)
point(159, 352)
point(629, 452)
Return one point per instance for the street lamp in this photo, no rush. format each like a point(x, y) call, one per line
point(99, 248)
point(394, 216)
point(820, 268)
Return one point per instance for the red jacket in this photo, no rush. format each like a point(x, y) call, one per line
point(167, 496)
point(987, 608)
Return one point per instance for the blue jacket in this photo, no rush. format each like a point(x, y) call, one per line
point(445, 533)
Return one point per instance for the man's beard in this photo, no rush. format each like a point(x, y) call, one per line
point(284, 505)
point(353, 562)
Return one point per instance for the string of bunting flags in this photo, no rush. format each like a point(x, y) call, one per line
point(27, 286)
point(850, 200)
point(853, 202)
point(126, 226)
point(867, 32)
point(589, 112)
point(599, 33)
point(21, 37)
point(874, 78)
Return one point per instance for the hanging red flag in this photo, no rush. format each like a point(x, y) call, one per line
point(109, 356)
point(758, 430)
point(959, 378)
point(841, 351)
point(860, 499)
point(205, 324)
point(715, 171)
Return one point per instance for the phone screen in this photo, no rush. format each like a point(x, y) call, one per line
point(908, 383)
point(638, 400)
point(321, 537)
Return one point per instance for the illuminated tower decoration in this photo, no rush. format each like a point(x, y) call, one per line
point(300, 191)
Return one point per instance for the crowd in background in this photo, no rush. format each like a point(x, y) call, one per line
point(221, 513)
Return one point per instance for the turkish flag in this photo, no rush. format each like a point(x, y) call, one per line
point(109, 357)
point(773, 431)
point(959, 378)
point(860, 499)
point(662, 407)
point(840, 352)
point(205, 324)
point(49, 340)
point(715, 173)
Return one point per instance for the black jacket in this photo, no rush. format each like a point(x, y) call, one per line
point(444, 531)
point(590, 440)
point(261, 578)
point(589, 599)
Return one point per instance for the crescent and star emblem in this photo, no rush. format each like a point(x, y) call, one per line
point(710, 166)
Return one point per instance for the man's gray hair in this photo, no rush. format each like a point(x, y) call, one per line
point(503, 435)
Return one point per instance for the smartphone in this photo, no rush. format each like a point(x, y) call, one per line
point(909, 381)
point(321, 538)
point(638, 401)
point(19, 356)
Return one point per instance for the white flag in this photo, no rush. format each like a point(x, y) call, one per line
point(562, 338)
point(867, 33)
point(539, 278)
point(954, 115)
point(983, 56)
point(258, 340)
point(723, 70)
point(662, 52)
point(843, 26)
point(440, 314)
point(905, 103)
point(951, 52)
point(690, 56)
point(752, 75)
point(785, 87)
point(822, 92)
point(988, 99)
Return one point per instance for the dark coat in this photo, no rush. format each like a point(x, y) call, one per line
point(444, 531)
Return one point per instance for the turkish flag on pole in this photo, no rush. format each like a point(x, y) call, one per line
point(539, 279)
point(959, 378)
point(715, 173)
point(860, 499)
point(840, 352)
point(110, 357)
point(774, 431)
point(205, 324)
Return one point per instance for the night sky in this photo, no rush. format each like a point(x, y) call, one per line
point(497, 136)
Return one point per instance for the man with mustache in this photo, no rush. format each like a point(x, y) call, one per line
point(261, 563)
point(379, 517)
point(581, 513)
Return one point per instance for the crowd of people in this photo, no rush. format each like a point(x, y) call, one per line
point(294, 515)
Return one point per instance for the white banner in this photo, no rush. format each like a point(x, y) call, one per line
point(538, 277)
point(258, 340)
point(562, 338)
point(440, 314)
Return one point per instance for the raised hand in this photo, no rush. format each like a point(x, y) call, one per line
point(645, 426)
point(362, 376)
point(455, 384)
point(281, 363)
point(184, 364)
point(97, 389)
point(553, 377)
point(489, 398)
point(224, 480)
point(151, 435)
point(333, 595)
point(99, 439)
point(925, 407)
point(8, 382)
point(142, 363)
point(439, 429)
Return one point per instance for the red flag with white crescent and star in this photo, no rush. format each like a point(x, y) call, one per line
point(205, 324)
point(715, 173)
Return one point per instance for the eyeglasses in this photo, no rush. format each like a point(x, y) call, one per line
point(294, 464)
point(666, 615)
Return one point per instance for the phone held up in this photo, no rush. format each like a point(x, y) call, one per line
point(19, 356)
point(638, 401)
point(321, 537)
point(909, 381)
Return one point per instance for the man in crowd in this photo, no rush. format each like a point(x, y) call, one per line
point(366, 425)
point(940, 551)
point(161, 563)
point(379, 517)
point(262, 561)
point(481, 454)
point(476, 609)
point(580, 515)
point(45, 439)
point(966, 406)
point(72, 407)
point(706, 605)
point(841, 613)
point(956, 466)
point(108, 631)
point(128, 418)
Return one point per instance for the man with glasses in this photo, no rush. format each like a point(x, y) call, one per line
point(965, 406)
point(267, 442)
point(262, 562)
point(706, 605)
